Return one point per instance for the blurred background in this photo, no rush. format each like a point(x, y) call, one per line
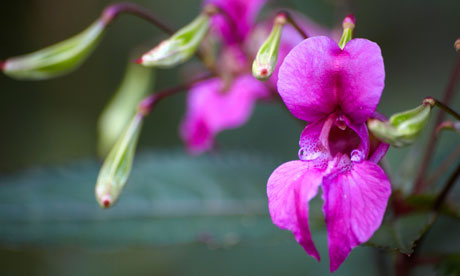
point(53, 124)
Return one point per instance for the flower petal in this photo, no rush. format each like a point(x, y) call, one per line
point(304, 81)
point(239, 17)
point(355, 198)
point(322, 140)
point(289, 189)
point(211, 110)
point(363, 79)
point(318, 78)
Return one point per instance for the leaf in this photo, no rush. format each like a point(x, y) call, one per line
point(402, 234)
point(450, 265)
point(172, 199)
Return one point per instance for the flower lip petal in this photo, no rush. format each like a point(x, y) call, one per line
point(289, 189)
point(355, 198)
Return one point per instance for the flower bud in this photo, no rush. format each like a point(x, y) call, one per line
point(182, 45)
point(457, 45)
point(348, 25)
point(117, 166)
point(402, 129)
point(265, 62)
point(136, 83)
point(55, 60)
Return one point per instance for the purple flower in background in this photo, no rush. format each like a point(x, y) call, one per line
point(336, 91)
point(224, 103)
point(237, 18)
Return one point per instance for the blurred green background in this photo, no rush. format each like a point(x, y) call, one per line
point(53, 122)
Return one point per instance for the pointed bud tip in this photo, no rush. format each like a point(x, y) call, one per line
point(2, 64)
point(264, 72)
point(429, 101)
point(211, 9)
point(138, 61)
point(106, 201)
point(457, 45)
point(281, 19)
point(349, 21)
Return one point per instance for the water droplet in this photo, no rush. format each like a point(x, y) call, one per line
point(308, 153)
point(357, 156)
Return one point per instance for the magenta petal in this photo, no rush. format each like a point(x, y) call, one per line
point(317, 78)
point(289, 189)
point(291, 37)
point(304, 80)
point(239, 17)
point(355, 198)
point(363, 79)
point(211, 110)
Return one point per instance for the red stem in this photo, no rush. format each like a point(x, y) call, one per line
point(112, 11)
point(431, 145)
point(147, 104)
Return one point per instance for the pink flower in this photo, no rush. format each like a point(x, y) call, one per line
point(336, 91)
point(211, 109)
point(237, 19)
point(216, 105)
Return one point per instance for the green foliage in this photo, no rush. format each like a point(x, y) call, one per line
point(450, 265)
point(172, 199)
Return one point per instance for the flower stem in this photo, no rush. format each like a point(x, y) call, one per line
point(147, 104)
point(445, 191)
point(112, 11)
point(445, 165)
point(447, 109)
point(431, 145)
point(294, 24)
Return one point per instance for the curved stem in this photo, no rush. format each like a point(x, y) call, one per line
point(445, 191)
point(431, 145)
point(147, 104)
point(112, 11)
point(294, 24)
point(447, 109)
point(445, 165)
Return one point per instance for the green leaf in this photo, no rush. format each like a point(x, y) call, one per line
point(450, 265)
point(172, 199)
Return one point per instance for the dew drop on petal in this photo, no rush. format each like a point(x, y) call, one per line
point(357, 156)
point(308, 154)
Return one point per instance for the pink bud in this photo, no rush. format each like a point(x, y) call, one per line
point(349, 21)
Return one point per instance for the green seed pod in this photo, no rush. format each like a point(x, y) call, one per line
point(117, 166)
point(402, 129)
point(55, 60)
point(267, 57)
point(182, 45)
point(135, 85)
